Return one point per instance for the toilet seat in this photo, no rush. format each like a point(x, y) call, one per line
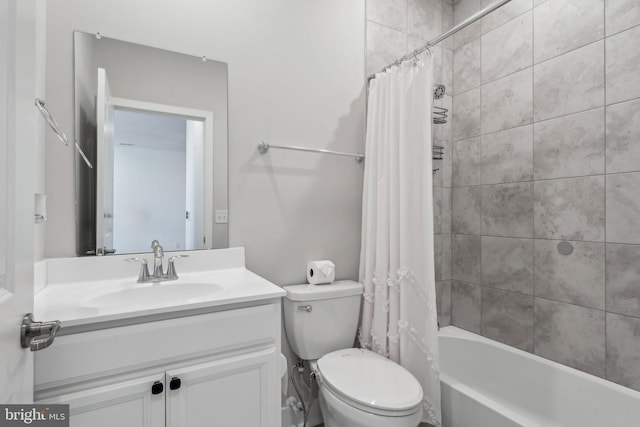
point(370, 382)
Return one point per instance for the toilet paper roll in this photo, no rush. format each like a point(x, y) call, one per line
point(321, 272)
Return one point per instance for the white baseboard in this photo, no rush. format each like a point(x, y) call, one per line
point(289, 419)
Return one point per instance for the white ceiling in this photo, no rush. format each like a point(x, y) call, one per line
point(150, 130)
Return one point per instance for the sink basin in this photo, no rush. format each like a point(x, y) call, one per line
point(156, 294)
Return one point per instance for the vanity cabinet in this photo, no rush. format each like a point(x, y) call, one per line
point(229, 392)
point(200, 370)
point(130, 403)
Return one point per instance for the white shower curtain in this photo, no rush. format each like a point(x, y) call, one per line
point(399, 317)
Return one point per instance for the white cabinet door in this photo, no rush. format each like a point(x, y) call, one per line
point(231, 392)
point(128, 404)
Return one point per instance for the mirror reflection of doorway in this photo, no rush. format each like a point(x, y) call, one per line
point(145, 79)
point(158, 180)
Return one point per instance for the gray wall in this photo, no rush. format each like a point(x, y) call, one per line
point(397, 27)
point(39, 159)
point(296, 76)
point(546, 134)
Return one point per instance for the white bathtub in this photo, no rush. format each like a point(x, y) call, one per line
point(488, 384)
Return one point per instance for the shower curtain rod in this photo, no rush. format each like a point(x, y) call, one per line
point(470, 20)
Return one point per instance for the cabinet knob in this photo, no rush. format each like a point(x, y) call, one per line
point(175, 383)
point(157, 388)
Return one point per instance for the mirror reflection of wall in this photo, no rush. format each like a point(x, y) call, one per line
point(153, 181)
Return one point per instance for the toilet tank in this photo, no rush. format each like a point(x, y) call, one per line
point(319, 319)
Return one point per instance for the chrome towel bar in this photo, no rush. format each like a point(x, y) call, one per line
point(58, 131)
point(263, 147)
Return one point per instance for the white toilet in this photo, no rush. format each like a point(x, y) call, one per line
point(358, 388)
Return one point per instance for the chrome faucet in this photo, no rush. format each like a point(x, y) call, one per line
point(158, 254)
point(158, 271)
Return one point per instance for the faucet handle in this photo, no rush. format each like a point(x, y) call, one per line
point(144, 269)
point(171, 269)
point(157, 249)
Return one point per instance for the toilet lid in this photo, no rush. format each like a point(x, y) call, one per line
point(368, 379)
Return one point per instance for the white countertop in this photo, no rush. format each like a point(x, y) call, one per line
point(76, 301)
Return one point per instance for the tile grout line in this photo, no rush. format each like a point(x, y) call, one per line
point(534, 121)
point(558, 239)
point(533, 162)
point(636, 99)
point(386, 26)
point(618, 32)
point(547, 299)
point(450, 192)
point(482, 113)
point(561, 178)
point(604, 113)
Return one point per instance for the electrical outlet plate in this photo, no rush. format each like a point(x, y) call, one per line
point(222, 217)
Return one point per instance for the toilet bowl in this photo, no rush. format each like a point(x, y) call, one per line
point(357, 388)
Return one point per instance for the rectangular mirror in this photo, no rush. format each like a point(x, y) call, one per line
point(153, 126)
